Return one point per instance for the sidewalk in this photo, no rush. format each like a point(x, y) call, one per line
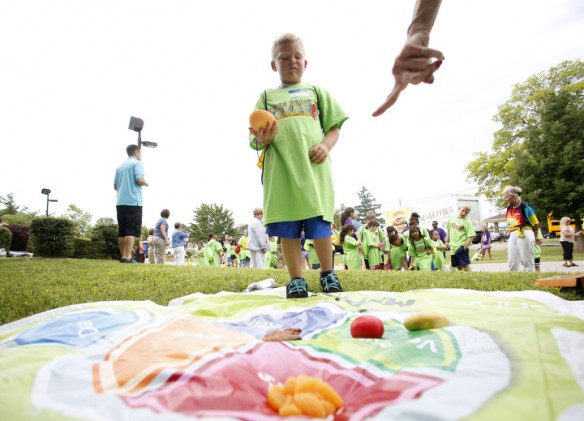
point(545, 267)
point(503, 267)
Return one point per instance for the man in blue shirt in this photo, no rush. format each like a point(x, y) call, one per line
point(128, 183)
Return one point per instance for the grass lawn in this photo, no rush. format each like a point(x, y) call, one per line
point(30, 286)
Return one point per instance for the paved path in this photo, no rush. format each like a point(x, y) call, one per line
point(545, 267)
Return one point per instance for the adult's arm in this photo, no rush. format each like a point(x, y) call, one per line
point(413, 64)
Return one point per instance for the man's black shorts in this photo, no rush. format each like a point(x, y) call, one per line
point(129, 220)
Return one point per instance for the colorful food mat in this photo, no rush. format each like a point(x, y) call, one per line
point(506, 355)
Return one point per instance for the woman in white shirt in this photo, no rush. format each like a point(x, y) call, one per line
point(567, 236)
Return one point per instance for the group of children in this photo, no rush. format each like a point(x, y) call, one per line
point(232, 253)
point(371, 248)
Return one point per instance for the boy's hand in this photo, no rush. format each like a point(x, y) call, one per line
point(265, 136)
point(318, 153)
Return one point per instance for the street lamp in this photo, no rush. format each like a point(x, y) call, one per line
point(137, 124)
point(48, 192)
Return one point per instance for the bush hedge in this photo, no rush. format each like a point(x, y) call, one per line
point(20, 235)
point(52, 237)
point(83, 249)
point(104, 238)
point(5, 238)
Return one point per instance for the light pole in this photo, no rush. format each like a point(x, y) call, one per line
point(48, 192)
point(137, 124)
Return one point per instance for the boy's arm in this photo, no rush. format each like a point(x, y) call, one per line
point(319, 153)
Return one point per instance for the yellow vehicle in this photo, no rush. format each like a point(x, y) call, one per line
point(554, 225)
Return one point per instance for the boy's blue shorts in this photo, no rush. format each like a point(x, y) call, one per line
point(314, 228)
point(460, 258)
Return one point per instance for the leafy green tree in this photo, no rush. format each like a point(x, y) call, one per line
point(105, 221)
point(19, 219)
point(337, 217)
point(81, 220)
point(239, 230)
point(540, 144)
point(211, 218)
point(367, 203)
point(10, 206)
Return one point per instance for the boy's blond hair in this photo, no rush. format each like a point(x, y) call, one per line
point(465, 206)
point(282, 39)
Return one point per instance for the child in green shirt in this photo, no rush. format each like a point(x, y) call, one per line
point(272, 255)
point(374, 245)
point(352, 256)
point(537, 252)
point(200, 259)
point(398, 253)
point(439, 247)
point(213, 250)
point(312, 257)
point(420, 249)
point(297, 174)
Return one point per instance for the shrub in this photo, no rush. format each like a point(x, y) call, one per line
point(52, 237)
point(83, 248)
point(20, 234)
point(105, 241)
point(5, 238)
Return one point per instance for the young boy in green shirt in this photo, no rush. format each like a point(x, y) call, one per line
point(459, 236)
point(297, 174)
point(398, 252)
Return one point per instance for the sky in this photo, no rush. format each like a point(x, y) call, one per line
point(75, 71)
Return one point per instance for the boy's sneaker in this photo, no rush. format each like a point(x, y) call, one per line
point(330, 283)
point(297, 288)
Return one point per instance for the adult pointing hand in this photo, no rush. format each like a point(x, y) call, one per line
point(416, 63)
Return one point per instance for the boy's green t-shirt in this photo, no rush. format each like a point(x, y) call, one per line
point(459, 230)
point(294, 187)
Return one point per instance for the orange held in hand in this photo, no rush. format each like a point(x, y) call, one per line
point(261, 119)
point(304, 395)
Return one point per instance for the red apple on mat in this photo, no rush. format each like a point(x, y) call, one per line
point(367, 327)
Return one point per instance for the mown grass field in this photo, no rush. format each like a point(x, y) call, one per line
point(30, 286)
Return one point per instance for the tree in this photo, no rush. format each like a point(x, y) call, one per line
point(10, 206)
point(337, 216)
point(539, 146)
point(105, 221)
point(211, 218)
point(81, 220)
point(368, 203)
point(19, 219)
